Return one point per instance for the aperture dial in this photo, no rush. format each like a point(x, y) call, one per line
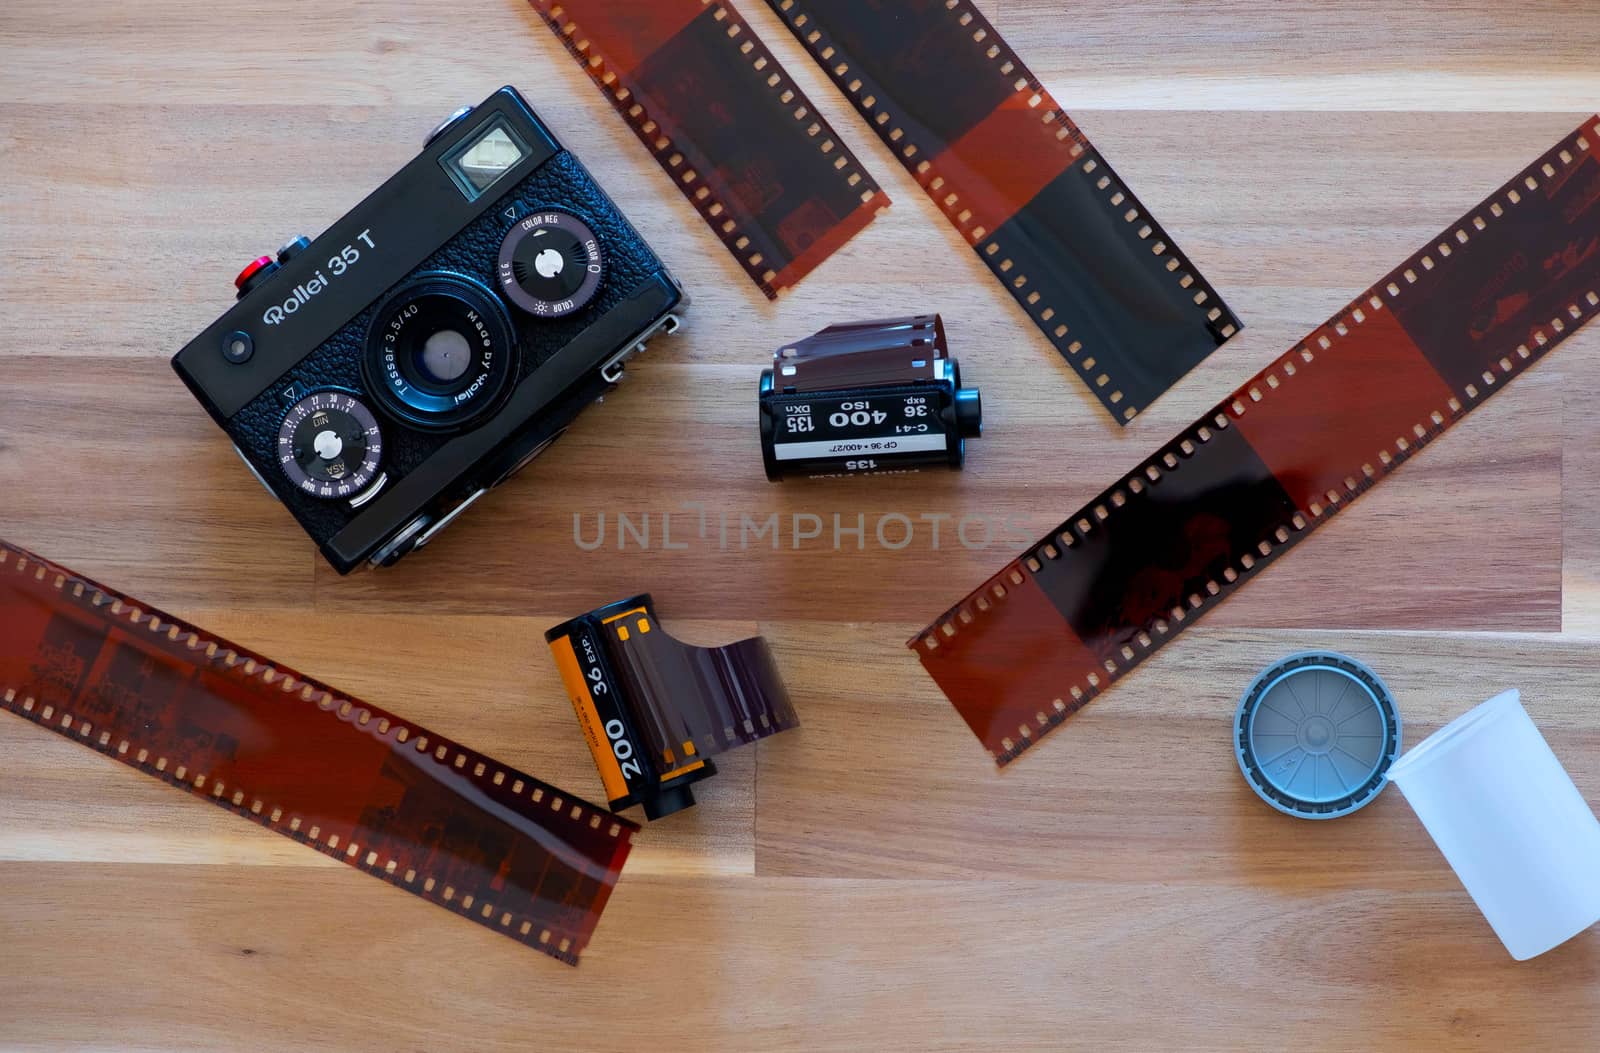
point(550, 265)
point(330, 445)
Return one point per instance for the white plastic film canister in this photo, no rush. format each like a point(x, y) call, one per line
point(1509, 820)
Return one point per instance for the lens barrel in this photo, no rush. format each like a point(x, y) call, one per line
point(440, 352)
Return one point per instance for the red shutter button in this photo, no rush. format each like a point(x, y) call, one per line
point(253, 275)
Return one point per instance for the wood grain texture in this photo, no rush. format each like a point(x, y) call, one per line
point(867, 882)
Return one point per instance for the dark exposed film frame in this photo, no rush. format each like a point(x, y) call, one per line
point(1013, 726)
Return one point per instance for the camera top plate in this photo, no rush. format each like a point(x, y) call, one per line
point(319, 290)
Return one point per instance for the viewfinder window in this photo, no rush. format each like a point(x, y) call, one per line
point(483, 160)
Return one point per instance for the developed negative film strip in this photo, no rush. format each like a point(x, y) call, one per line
point(1296, 444)
point(1042, 207)
point(379, 793)
point(734, 133)
point(656, 710)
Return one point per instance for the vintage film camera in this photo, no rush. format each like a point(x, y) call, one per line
point(382, 378)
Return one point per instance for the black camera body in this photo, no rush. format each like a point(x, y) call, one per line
point(382, 378)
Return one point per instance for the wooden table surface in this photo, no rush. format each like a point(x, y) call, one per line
point(869, 882)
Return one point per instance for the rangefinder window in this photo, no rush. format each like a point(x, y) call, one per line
point(483, 159)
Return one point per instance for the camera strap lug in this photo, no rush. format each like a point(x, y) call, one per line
point(612, 371)
point(255, 473)
point(429, 534)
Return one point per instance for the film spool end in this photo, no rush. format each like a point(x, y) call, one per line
point(668, 802)
point(969, 413)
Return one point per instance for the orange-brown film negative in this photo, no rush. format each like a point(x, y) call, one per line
point(733, 132)
point(1296, 444)
point(352, 781)
point(1041, 205)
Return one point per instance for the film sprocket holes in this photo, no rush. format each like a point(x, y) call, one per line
point(1038, 202)
point(1331, 418)
point(732, 130)
point(432, 342)
point(363, 786)
point(867, 398)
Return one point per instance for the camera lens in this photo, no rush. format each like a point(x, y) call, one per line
point(440, 352)
point(446, 356)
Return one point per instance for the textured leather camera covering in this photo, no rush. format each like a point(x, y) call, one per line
point(562, 184)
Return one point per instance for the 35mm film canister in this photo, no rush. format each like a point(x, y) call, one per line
point(656, 710)
point(867, 398)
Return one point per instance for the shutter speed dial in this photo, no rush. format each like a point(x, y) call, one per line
point(330, 445)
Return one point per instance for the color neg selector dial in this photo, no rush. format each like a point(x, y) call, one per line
point(330, 445)
point(550, 265)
